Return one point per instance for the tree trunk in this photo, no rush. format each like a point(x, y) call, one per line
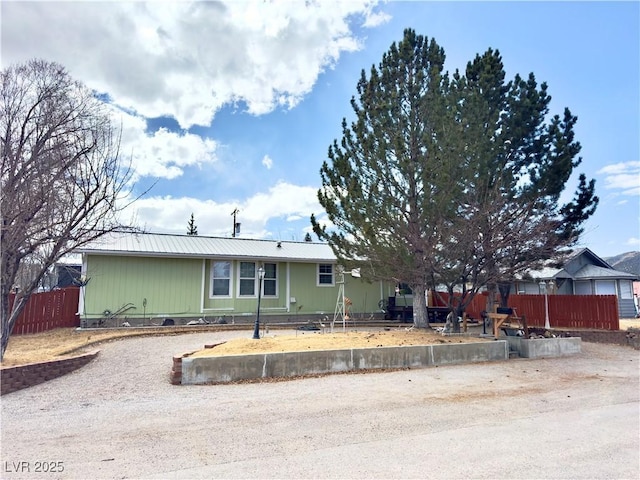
point(492, 288)
point(505, 290)
point(420, 318)
point(457, 313)
point(9, 318)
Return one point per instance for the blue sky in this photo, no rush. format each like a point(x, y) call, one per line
point(233, 105)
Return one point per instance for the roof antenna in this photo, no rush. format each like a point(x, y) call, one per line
point(236, 225)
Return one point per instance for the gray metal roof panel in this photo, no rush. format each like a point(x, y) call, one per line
point(546, 273)
point(154, 244)
point(589, 272)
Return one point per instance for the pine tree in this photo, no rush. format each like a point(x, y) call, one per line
point(450, 180)
point(192, 229)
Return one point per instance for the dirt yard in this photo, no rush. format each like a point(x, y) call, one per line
point(63, 342)
point(331, 341)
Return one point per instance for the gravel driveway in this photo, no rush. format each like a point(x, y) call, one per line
point(118, 417)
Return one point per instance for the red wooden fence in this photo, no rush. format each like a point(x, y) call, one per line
point(49, 310)
point(565, 311)
point(569, 311)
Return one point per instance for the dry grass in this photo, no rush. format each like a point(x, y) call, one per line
point(627, 323)
point(331, 341)
point(64, 342)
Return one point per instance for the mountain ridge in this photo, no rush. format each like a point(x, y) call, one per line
point(625, 262)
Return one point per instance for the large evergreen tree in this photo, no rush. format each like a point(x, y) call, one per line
point(514, 165)
point(450, 181)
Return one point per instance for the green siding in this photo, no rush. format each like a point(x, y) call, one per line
point(171, 286)
point(176, 287)
point(312, 298)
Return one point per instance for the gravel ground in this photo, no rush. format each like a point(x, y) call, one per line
point(119, 417)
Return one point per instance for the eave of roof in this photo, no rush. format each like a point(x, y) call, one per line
point(594, 272)
point(186, 246)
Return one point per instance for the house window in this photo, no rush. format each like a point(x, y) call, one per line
point(247, 279)
point(606, 287)
point(626, 289)
point(221, 279)
point(270, 281)
point(583, 287)
point(325, 274)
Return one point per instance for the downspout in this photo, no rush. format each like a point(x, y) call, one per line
point(83, 277)
point(202, 285)
point(288, 288)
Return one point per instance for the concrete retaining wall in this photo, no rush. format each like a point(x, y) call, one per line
point(545, 347)
point(224, 369)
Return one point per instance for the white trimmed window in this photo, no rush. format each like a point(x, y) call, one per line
point(606, 287)
point(325, 274)
point(270, 281)
point(221, 279)
point(247, 279)
point(626, 289)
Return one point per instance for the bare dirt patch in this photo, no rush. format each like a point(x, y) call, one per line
point(331, 341)
point(65, 342)
point(627, 323)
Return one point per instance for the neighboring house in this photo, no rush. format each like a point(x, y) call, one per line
point(67, 275)
point(584, 273)
point(155, 276)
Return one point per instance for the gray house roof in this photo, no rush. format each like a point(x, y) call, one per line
point(195, 246)
point(590, 272)
point(596, 269)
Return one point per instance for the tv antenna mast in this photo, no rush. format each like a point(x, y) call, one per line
point(236, 225)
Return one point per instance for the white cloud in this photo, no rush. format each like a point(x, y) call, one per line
point(188, 59)
point(635, 242)
point(624, 176)
point(375, 19)
point(281, 201)
point(267, 162)
point(162, 154)
point(170, 214)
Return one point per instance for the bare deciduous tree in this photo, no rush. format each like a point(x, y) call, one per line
point(62, 182)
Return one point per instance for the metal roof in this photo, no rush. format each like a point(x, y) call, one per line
point(590, 272)
point(163, 245)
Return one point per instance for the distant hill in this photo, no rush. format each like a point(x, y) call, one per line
point(625, 262)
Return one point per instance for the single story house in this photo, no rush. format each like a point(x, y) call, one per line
point(583, 273)
point(145, 278)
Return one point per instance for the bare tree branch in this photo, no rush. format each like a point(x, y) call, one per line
point(61, 176)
